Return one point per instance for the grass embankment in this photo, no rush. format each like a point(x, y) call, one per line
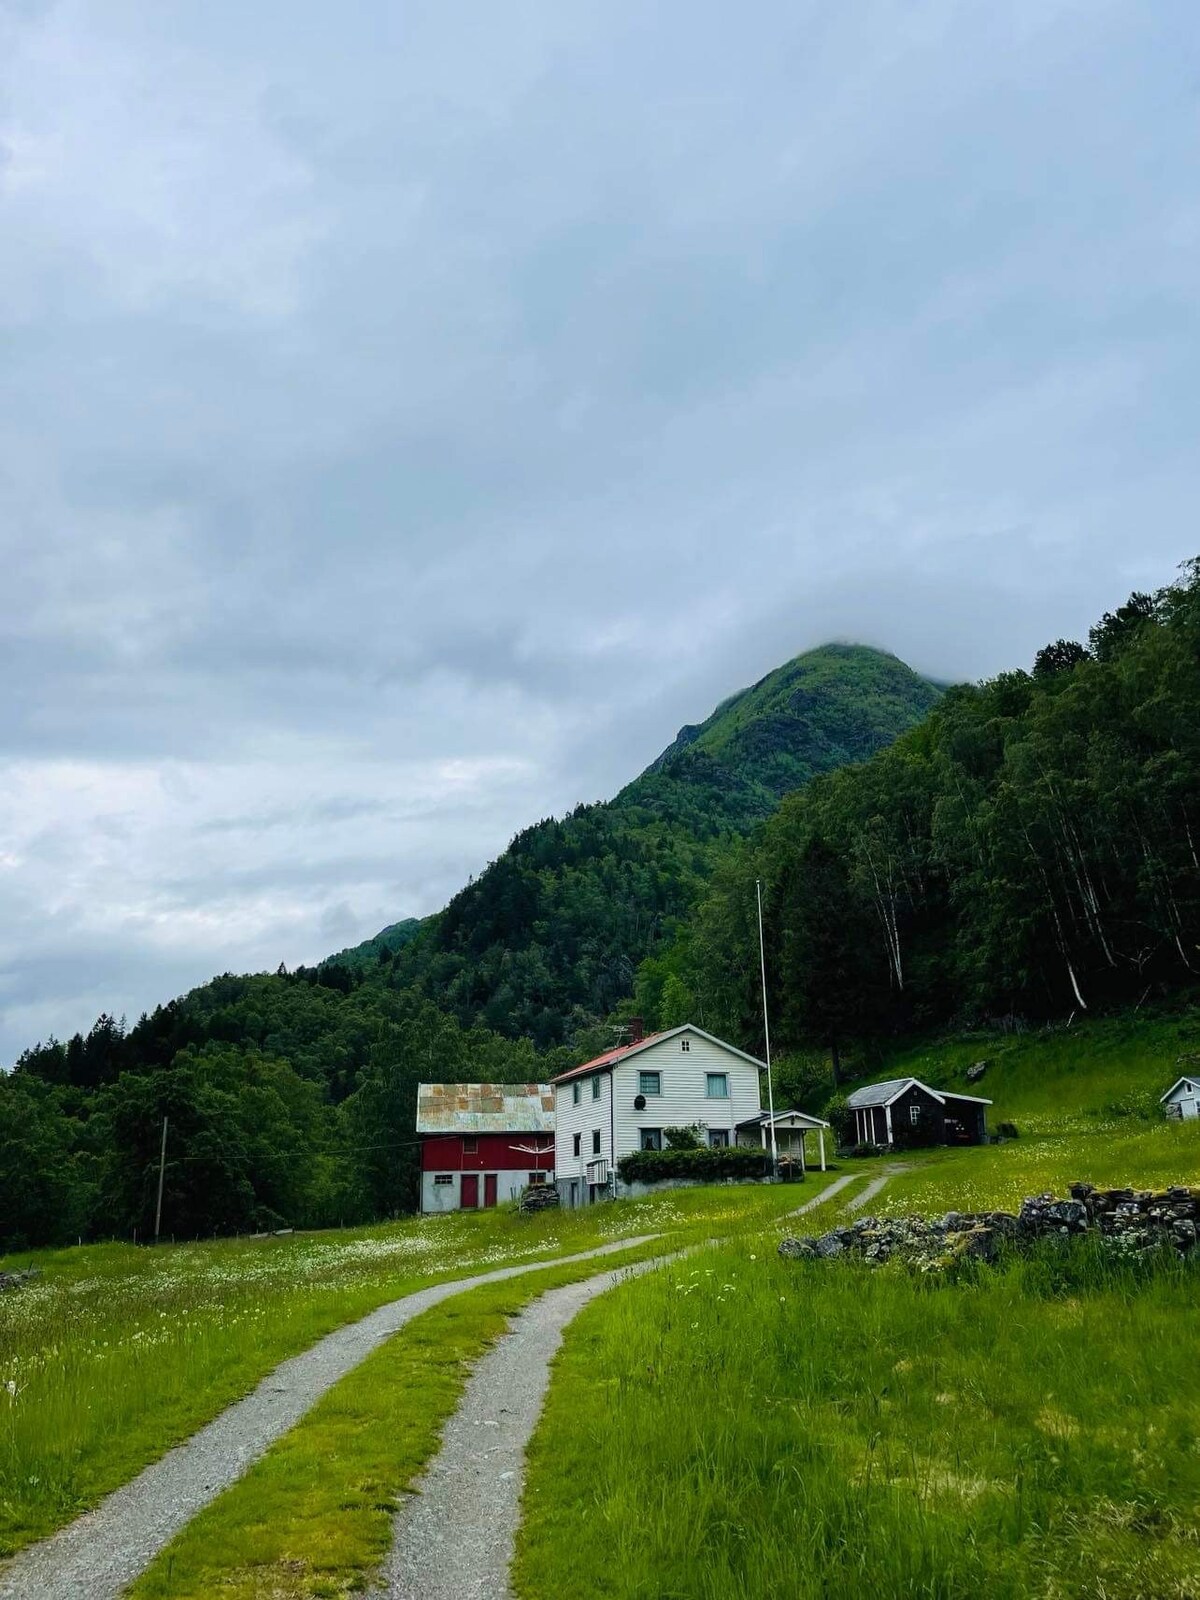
point(118, 1353)
point(736, 1427)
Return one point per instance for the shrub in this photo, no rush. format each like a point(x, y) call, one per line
point(1008, 1130)
point(838, 1113)
point(648, 1166)
point(688, 1138)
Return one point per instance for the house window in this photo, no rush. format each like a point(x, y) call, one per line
point(471, 1145)
point(685, 1044)
point(716, 1085)
point(576, 1144)
point(914, 1115)
point(649, 1082)
point(595, 1141)
point(650, 1138)
point(442, 1178)
point(537, 1177)
point(718, 1138)
point(596, 1087)
point(575, 1092)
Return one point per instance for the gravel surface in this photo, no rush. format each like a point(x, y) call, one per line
point(873, 1188)
point(454, 1537)
point(827, 1193)
point(97, 1555)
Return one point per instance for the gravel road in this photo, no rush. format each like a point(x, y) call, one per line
point(94, 1557)
point(868, 1194)
point(454, 1537)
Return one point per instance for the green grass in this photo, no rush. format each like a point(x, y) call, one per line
point(118, 1353)
point(314, 1516)
point(733, 1428)
point(1052, 1079)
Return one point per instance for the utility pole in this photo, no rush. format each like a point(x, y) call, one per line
point(162, 1167)
point(762, 959)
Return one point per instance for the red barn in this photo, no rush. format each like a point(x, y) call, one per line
point(483, 1142)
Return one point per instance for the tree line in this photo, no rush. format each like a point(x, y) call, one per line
point(1032, 848)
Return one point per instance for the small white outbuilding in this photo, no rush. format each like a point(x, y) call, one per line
point(1182, 1099)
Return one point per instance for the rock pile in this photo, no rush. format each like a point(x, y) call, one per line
point(538, 1197)
point(14, 1280)
point(1130, 1221)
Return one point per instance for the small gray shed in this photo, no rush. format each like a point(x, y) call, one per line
point(1182, 1099)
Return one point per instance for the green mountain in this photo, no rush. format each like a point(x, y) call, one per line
point(549, 937)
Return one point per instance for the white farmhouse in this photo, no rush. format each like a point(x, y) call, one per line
point(623, 1100)
point(1182, 1099)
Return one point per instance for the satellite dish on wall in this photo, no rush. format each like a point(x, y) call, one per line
point(639, 1102)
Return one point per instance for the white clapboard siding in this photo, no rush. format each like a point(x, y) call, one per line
point(683, 1100)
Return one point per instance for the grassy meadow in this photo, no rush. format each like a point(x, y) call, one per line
point(116, 1352)
point(738, 1426)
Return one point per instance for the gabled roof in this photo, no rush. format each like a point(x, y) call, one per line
point(782, 1116)
point(883, 1094)
point(619, 1052)
point(1191, 1079)
point(485, 1108)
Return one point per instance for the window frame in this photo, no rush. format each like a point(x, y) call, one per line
point(656, 1141)
point(914, 1114)
point(577, 1142)
point(595, 1141)
point(685, 1044)
point(442, 1180)
point(595, 1086)
point(718, 1139)
point(708, 1078)
point(470, 1144)
point(576, 1092)
point(656, 1092)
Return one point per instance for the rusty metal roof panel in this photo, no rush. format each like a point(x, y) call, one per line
point(485, 1108)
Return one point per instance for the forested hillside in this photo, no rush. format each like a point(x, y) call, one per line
point(548, 939)
point(1032, 849)
point(290, 1097)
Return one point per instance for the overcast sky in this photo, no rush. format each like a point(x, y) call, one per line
point(410, 414)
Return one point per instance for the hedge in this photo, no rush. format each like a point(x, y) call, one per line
point(647, 1166)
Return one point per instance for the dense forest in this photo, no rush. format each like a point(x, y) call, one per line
point(549, 938)
point(1015, 850)
point(1032, 849)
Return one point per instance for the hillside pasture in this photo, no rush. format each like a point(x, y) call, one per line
point(738, 1426)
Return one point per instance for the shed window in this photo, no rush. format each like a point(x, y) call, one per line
point(595, 1141)
point(576, 1089)
point(716, 1085)
point(650, 1138)
point(471, 1145)
point(576, 1144)
point(914, 1115)
point(649, 1082)
point(441, 1178)
point(596, 1087)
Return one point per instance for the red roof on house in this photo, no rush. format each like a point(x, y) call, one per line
point(597, 1063)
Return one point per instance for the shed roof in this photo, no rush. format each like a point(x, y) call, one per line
point(783, 1116)
point(882, 1094)
point(1191, 1080)
point(485, 1108)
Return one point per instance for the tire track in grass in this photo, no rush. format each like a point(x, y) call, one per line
point(868, 1194)
point(102, 1551)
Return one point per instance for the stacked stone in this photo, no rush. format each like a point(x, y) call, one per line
point(538, 1197)
point(1130, 1221)
point(14, 1280)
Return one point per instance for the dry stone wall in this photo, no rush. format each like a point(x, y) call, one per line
point(1128, 1221)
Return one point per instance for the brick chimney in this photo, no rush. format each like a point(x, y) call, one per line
point(637, 1031)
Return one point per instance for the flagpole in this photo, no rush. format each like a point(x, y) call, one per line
point(762, 958)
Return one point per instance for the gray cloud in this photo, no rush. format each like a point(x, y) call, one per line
point(410, 416)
